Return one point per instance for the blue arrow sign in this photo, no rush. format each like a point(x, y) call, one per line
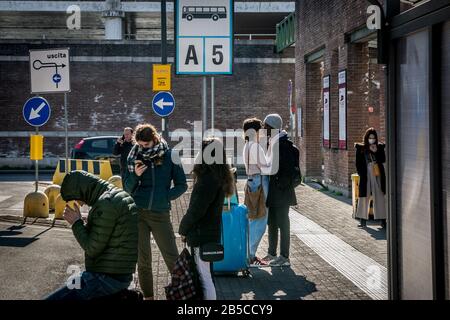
point(163, 104)
point(36, 111)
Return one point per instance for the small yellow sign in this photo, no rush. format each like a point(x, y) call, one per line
point(161, 77)
point(36, 147)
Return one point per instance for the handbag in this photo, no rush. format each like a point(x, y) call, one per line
point(376, 170)
point(212, 251)
point(254, 201)
point(185, 281)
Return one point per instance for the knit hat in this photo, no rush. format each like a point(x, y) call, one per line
point(274, 121)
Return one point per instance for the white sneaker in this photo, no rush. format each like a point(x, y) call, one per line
point(280, 262)
point(269, 258)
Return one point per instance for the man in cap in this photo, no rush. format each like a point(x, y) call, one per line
point(281, 155)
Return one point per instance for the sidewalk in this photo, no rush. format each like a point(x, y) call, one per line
point(331, 258)
point(310, 275)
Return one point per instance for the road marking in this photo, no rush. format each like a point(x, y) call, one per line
point(363, 271)
point(3, 198)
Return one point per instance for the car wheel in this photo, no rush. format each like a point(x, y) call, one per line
point(215, 17)
point(189, 18)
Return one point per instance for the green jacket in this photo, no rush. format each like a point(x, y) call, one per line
point(153, 189)
point(110, 237)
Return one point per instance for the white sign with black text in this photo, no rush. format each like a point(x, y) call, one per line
point(204, 36)
point(50, 71)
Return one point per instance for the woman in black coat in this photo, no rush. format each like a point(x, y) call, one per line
point(202, 222)
point(370, 159)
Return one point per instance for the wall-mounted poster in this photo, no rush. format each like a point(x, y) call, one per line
point(326, 112)
point(300, 127)
point(342, 109)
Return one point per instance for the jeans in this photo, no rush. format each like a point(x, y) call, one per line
point(92, 285)
point(279, 219)
point(257, 227)
point(206, 280)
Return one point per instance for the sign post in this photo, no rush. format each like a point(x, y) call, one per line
point(163, 104)
point(36, 112)
point(50, 73)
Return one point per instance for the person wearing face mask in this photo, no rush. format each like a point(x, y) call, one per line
point(151, 172)
point(370, 159)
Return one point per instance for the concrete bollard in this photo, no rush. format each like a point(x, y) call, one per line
point(60, 205)
point(36, 205)
point(52, 193)
point(355, 192)
point(116, 181)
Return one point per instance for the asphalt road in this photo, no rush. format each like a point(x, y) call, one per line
point(43, 254)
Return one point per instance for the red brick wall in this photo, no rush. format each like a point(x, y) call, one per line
point(325, 24)
point(107, 96)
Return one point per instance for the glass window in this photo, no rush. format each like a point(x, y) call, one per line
point(100, 144)
point(198, 9)
point(413, 168)
point(214, 9)
point(222, 9)
point(446, 145)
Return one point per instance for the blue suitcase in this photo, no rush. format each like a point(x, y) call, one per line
point(235, 240)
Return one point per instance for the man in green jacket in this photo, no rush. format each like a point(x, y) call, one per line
point(109, 238)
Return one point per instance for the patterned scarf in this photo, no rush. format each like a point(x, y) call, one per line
point(150, 154)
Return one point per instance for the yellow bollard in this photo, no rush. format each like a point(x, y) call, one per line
point(52, 193)
point(60, 205)
point(355, 191)
point(116, 181)
point(36, 205)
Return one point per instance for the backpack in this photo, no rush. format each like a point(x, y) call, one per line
point(296, 172)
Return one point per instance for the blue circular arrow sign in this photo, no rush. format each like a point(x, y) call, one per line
point(163, 103)
point(36, 111)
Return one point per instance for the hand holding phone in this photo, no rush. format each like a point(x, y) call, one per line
point(139, 167)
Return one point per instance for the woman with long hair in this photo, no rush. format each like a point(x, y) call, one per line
point(201, 224)
point(370, 159)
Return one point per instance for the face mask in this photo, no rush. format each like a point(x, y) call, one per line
point(372, 141)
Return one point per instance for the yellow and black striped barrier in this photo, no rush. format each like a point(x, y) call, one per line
point(100, 168)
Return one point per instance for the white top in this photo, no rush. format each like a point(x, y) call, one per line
point(255, 162)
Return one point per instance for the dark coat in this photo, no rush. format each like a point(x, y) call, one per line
point(123, 150)
point(281, 191)
point(361, 166)
point(110, 237)
point(153, 189)
point(202, 222)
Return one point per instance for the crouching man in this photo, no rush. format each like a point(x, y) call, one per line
point(109, 238)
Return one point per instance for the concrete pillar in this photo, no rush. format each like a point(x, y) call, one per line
point(113, 16)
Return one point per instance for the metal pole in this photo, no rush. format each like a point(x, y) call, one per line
point(204, 105)
point(66, 120)
point(212, 104)
point(36, 168)
point(164, 120)
point(292, 115)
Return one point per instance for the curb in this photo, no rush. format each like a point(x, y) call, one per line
point(33, 221)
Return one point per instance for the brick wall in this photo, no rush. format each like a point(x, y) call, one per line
point(107, 96)
point(324, 24)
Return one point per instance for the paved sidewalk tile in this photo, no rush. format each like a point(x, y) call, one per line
point(309, 277)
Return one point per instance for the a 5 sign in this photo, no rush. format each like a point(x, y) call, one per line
point(204, 36)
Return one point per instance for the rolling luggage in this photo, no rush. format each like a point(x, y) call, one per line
point(235, 239)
